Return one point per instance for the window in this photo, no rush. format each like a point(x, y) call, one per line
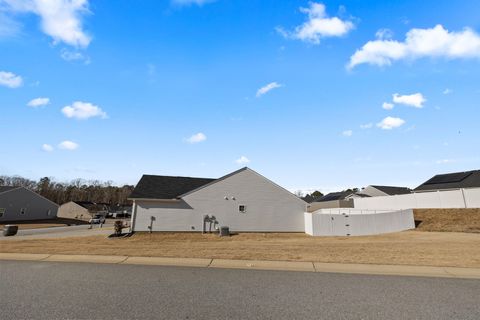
point(2, 212)
point(49, 212)
point(242, 208)
point(23, 210)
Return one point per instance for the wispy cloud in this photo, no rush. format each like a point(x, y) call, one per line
point(447, 91)
point(318, 25)
point(347, 133)
point(38, 102)
point(76, 55)
point(191, 2)
point(196, 138)
point(390, 123)
point(83, 110)
point(68, 145)
point(267, 88)
point(387, 106)
point(47, 148)
point(419, 43)
point(414, 100)
point(60, 19)
point(242, 160)
point(366, 126)
point(10, 80)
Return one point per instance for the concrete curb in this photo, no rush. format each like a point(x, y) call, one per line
point(375, 269)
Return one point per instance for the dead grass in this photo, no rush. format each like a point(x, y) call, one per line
point(47, 223)
point(406, 248)
point(451, 220)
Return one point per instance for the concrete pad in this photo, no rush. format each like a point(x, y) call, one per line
point(23, 256)
point(85, 258)
point(399, 270)
point(165, 261)
point(263, 265)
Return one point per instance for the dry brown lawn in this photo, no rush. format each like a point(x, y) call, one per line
point(407, 248)
point(451, 220)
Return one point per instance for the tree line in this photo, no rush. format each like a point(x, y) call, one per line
point(75, 190)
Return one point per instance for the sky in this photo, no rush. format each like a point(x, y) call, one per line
point(313, 95)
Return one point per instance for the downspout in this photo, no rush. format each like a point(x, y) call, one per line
point(134, 216)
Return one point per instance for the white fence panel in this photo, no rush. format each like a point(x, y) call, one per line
point(461, 198)
point(345, 222)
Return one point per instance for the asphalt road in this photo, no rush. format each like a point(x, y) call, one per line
point(59, 232)
point(44, 290)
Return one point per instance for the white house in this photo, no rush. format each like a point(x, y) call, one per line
point(242, 200)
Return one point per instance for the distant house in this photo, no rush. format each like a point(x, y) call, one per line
point(19, 203)
point(380, 191)
point(451, 181)
point(332, 200)
point(81, 210)
point(242, 200)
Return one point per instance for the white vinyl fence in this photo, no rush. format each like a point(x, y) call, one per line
point(460, 198)
point(352, 222)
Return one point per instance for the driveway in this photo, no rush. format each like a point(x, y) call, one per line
point(59, 232)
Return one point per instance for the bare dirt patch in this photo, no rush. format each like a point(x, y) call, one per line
point(449, 220)
point(404, 248)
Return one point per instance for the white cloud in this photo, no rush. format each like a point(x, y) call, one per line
point(419, 43)
point(68, 55)
point(8, 26)
point(318, 25)
point(38, 102)
point(190, 2)
point(390, 123)
point(83, 110)
point(196, 138)
point(267, 88)
point(47, 147)
point(384, 34)
point(366, 126)
point(414, 100)
point(347, 133)
point(445, 161)
point(447, 91)
point(242, 160)
point(10, 80)
point(68, 145)
point(60, 19)
point(387, 106)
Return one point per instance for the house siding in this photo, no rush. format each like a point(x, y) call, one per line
point(269, 208)
point(71, 210)
point(37, 207)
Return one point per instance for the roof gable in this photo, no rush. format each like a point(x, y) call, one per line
point(391, 190)
point(7, 188)
point(166, 187)
point(334, 196)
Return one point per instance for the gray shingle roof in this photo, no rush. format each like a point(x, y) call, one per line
point(166, 187)
point(456, 180)
point(393, 190)
point(334, 196)
point(7, 188)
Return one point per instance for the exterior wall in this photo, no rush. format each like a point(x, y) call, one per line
point(269, 207)
point(314, 206)
point(37, 207)
point(71, 210)
point(348, 222)
point(461, 198)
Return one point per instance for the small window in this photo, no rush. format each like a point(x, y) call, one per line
point(242, 208)
point(23, 210)
point(49, 212)
point(2, 212)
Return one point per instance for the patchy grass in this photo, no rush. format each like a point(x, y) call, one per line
point(450, 220)
point(47, 223)
point(405, 248)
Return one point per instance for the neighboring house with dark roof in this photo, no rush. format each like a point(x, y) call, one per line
point(451, 181)
point(242, 200)
point(332, 200)
point(81, 210)
point(19, 203)
point(380, 191)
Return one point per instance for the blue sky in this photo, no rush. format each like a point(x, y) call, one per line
point(314, 95)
